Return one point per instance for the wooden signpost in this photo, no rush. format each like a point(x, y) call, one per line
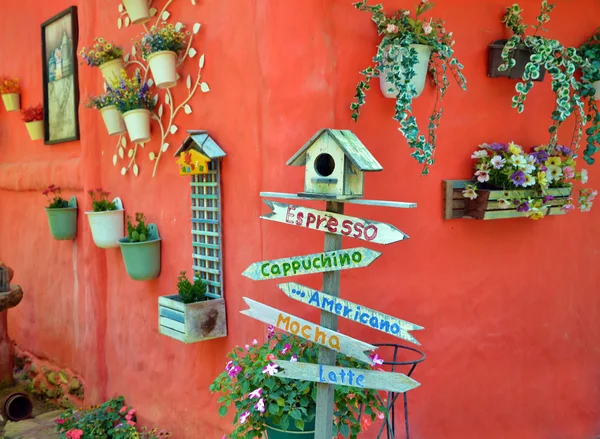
point(335, 162)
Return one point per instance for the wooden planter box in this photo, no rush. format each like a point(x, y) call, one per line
point(454, 201)
point(191, 322)
point(521, 56)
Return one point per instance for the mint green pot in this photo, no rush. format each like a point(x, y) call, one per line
point(63, 221)
point(142, 259)
point(275, 431)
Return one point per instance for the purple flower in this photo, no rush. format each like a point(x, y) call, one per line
point(244, 417)
point(540, 156)
point(286, 348)
point(294, 358)
point(518, 178)
point(376, 360)
point(260, 405)
point(234, 371)
point(255, 393)
point(498, 147)
point(229, 366)
point(271, 330)
point(548, 198)
point(564, 150)
point(270, 369)
point(523, 207)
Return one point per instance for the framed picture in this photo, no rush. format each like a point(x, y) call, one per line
point(61, 82)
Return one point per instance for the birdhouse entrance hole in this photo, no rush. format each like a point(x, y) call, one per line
point(324, 165)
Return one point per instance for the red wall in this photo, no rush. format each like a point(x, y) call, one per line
point(510, 307)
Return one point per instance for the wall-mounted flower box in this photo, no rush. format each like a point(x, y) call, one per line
point(521, 55)
point(491, 202)
point(191, 322)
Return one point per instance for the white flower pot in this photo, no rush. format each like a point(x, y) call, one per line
point(596, 85)
point(36, 129)
point(164, 68)
point(423, 55)
point(112, 69)
point(107, 227)
point(137, 10)
point(138, 125)
point(12, 101)
point(113, 119)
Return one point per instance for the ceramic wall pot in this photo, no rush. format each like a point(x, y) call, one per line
point(421, 69)
point(137, 10)
point(107, 227)
point(142, 259)
point(112, 69)
point(63, 221)
point(12, 101)
point(164, 68)
point(35, 129)
point(138, 125)
point(113, 120)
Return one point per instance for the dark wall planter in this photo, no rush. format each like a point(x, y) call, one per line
point(275, 431)
point(521, 55)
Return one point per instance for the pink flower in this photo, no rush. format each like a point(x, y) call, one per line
point(482, 176)
point(271, 357)
point(255, 393)
point(366, 423)
point(568, 172)
point(254, 342)
point(286, 348)
point(260, 405)
point(380, 415)
point(270, 369)
point(131, 412)
point(391, 28)
point(350, 396)
point(234, 371)
point(59, 421)
point(123, 409)
point(247, 347)
point(228, 366)
point(132, 423)
point(244, 417)
point(294, 358)
point(74, 434)
point(376, 360)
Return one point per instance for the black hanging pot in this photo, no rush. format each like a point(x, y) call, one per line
point(521, 55)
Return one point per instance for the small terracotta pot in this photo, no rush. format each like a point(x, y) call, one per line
point(137, 10)
point(163, 65)
point(138, 125)
point(12, 101)
point(112, 69)
point(113, 120)
point(36, 129)
point(17, 407)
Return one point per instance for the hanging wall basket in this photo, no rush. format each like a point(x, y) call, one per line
point(521, 56)
point(12, 101)
point(421, 69)
point(35, 129)
point(113, 120)
point(142, 259)
point(163, 65)
point(63, 221)
point(107, 227)
point(137, 10)
point(112, 70)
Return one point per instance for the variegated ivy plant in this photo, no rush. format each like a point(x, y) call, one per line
point(399, 31)
point(561, 63)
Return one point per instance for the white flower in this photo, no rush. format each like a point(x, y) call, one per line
point(585, 207)
point(470, 193)
point(482, 176)
point(270, 369)
point(531, 159)
point(479, 154)
point(504, 203)
point(518, 161)
point(427, 28)
point(584, 176)
point(391, 28)
point(553, 173)
point(529, 180)
point(529, 168)
point(407, 13)
point(497, 162)
point(484, 146)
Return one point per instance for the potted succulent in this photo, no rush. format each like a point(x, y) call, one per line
point(137, 10)
point(286, 408)
point(561, 63)
point(141, 249)
point(132, 98)
point(192, 314)
point(160, 47)
point(10, 91)
point(34, 121)
point(106, 56)
point(113, 119)
point(62, 214)
point(590, 51)
point(411, 47)
point(106, 219)
point(508, 182)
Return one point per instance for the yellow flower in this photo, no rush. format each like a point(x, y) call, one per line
point(536, 215)
point(541, 178)
point(107, 47)
point(514, 148)
point(101, 40)
point(553, 161)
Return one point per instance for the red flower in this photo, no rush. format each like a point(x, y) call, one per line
point(32, 114)
point(271, 357)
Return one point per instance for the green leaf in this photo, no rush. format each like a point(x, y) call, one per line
point(296, 414)
point(280, 402)
point(299, 423)
point(273, 408)
point(285, 422)
point(222, 411)
point(344, 429)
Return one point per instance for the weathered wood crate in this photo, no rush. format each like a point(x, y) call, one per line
point(454, 201)
point(191, 322)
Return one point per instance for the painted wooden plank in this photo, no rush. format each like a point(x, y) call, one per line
point(205, 221)
point(495, 205)
point(207, 258)
point(204, 184)
point(172, 302)
point(205, 209)
point(309, 331)
point(314, 263)
point(345, 376)
point(505, 214)
point(351, 311)
point(380, 203)
point(366, 230)
point(172, 324)
point(171, 314)
point(206, 269)
point(205, 245)
point(205, 197)
point(213, 283)
point(172, 333)
point(206, 233)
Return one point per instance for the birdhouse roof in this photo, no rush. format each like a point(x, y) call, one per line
point(351, 145)
point(203, 143)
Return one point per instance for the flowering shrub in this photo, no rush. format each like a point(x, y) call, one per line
point(110, 420)
point(162, 37)
point(130, 94)
point(9, 85)
point(100, 101)
point(248, 383)
point(32, 114)
point(400, 30)
point(508, 167)
point(100, 201)
point(102, 53)
point(56, 202)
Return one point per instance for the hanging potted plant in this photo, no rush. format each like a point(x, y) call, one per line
point(106, 219)
point(137, 10)
point(286, 408)
point(590, 51)
point(34, 121)
point(132, 98)
point(141, 249)
point(160, 47)
point(561, 63)
point(62, 214)
point(10, 91)
point(411, 46)
point(106, 56)
point(113, 119)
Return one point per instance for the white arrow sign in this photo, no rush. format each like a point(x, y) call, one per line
point(309, 331)
point(345, 376)
point(315, 263)
point(351, 311)
point(370, 231)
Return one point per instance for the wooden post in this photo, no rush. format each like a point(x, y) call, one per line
point(331, 285)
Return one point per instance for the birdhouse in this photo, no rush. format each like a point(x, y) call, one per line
point(196, 152)
point(335, 162)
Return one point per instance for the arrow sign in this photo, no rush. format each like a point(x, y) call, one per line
point(309, 331)
point(315, 263)
point(370, 231)
point(345, 376)
point(351, 311)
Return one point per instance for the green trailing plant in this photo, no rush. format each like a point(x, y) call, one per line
point(57, 201)
point(590, 52)
point(191, 292)
point(138, 232)
point(100, 201)
point(109, 420)
point(561, 63)
point(401, 30)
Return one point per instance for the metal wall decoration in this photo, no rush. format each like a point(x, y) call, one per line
point(60, 77)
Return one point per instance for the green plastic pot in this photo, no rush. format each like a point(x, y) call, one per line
point(276, 432)
point(142, 259)
point(63, 221)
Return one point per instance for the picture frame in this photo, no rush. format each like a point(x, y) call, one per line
point(60, 36)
